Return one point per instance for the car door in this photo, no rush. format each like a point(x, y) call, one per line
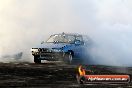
point(79, 48)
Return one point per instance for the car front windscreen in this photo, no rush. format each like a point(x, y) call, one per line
point(61, 39)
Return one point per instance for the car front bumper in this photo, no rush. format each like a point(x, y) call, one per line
point(50, 56)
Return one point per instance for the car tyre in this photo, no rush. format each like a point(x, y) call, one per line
point(68, 58)
point(36, 60)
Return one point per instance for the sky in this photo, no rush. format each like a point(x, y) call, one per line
point(25, 23)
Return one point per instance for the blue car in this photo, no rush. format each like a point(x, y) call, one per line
point(64, 47)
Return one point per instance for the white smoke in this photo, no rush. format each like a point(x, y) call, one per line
point(25, 23)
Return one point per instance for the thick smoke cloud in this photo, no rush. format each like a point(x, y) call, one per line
point(25, 23)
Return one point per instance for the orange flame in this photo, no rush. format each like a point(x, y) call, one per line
point(81, 71)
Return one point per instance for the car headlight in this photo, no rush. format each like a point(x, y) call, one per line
point(34, 50)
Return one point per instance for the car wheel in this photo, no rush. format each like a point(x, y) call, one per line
point(68, 58)
point(36, 59)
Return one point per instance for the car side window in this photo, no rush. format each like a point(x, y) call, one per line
point(79, 38)
point(70, 38)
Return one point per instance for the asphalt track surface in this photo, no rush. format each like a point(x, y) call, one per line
point(44, 75)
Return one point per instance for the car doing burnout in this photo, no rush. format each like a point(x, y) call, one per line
point(60, 47)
